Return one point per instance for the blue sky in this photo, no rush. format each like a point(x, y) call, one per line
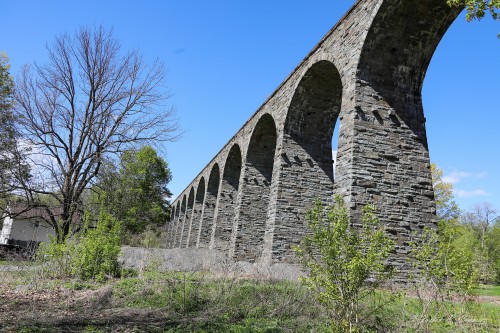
point(226, 57)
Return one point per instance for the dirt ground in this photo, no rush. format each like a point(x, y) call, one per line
point(29, 308)
point(66, 310)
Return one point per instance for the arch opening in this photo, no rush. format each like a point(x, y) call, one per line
point(209, 207)
point(197, 214)
point(172, 214)
point(411, 33)
point(255, 189)
point(311, 117)
point(335, 148)
point(188, 219)
point(171, 226)
point(306, 157)
point(227, 199)
point(180, 223)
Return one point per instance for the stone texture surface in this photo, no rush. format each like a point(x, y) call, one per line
point(196, 260)
point(367, 72)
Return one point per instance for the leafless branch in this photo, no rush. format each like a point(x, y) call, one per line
point(88, 102)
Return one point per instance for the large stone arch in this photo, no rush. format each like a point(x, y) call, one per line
point(255, 189)
point(197, 214)
point(404, 36)
point(306, 153)
point(389, 126)
point(209, 207)
point(310, 121)
point(228, 195)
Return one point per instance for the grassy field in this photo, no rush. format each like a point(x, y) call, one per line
point(488, 291)
point(151, 301)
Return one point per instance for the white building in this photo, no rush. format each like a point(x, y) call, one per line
point(24, 228)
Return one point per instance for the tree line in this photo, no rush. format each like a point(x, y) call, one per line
point(472, 236)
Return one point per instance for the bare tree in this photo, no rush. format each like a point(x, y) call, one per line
point(89, 102)
point(482, 217)
point(486, 215)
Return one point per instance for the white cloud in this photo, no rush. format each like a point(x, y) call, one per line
point(470, 194)
point(457, 176)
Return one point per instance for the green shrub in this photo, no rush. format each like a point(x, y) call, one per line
point(448, 265)
point(449, 257)
point(91, 254)
point(345, 263)
point(98, 249)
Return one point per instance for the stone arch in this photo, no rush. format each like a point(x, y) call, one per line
point(209, 207)
point(176, 224)
point(255, 190)
point(171, 226)
point(197, 214)
point(390, 129)
point(180, 223)
point(228, 199)
point(310, 121)
point(172, 214)
point(306, 155)
point(187, 223)
point(405, 35)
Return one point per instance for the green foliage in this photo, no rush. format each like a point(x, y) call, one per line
point(92, 329)
point(446, 207)
point(345, 263)
point(136, 192)
point(182, 294)
point(465, 247)
point(6, 84)
point(488, 290)
point(200, 302)
point(98, 249)
point(449, 257)
point(476, 9)
point(493, 246)
point(91, 254)
point(8, 133)
point(449, 263)
point(221, 305)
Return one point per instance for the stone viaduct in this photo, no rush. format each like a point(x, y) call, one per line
point(250, 200)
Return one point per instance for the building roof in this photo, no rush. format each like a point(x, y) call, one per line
point(23, 211)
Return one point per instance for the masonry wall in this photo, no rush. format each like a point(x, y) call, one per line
point(368, 73)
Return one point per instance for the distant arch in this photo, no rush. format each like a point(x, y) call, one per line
point(180, 223)
point(187, 224)
point(209, 207)
point(197, 214)
point(176, 224)
point(172, 214)
point(255, 190)
point(228, 195)
point(171, 226)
